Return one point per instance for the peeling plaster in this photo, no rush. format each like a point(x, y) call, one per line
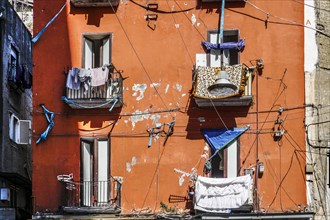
point(166, 88)
point(198, 24)
point(177, 26)
point(181, 179)
point(128, 167)
point(184, 94)
point(193, 19)
point(139, 88)
point(155, 85)
point(133, 161)
point(137, 116)
point(155, 118)
point(178, 87)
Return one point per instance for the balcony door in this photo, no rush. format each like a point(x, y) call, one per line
point(95, 172)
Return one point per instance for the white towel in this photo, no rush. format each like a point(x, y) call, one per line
point(99, 76)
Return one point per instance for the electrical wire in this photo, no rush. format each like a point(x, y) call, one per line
point(183, 41)
point(282, 180)
point(307, 138)
point(286, 20)
point(202, 36)
point(273, 173)
point(311, 6)
point(137, 56)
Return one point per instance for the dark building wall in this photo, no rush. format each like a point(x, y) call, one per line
point(15, 159)
point(15, 99)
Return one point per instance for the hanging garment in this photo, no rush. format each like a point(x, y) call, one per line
point(19, 75)
point(99, 76)
point(27, 79)
point(72, 81)
point(221, 194)
point(85, 78)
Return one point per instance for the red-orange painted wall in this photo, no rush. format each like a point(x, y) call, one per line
point(166, 56)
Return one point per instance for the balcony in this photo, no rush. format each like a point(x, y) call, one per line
point(95, 3)
point(86, 96)
point(240, 77)
point(93, 197)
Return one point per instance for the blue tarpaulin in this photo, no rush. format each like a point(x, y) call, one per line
point(227, 45)
point(218, 139)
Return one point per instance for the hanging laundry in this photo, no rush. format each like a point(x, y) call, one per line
point(19, 75)
point(227, 45)
point(99, 76)
point(73, 81)
point(27, 78)
point(85, 78)
point(219, 195)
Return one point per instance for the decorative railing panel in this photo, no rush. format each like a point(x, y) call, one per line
point(206, 76)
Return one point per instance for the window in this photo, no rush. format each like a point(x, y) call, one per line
point(19, 130)
point(95, 172)
point(12, 64)
point(96, 50)
point(13, 128)
point(229, 57)
point(226, 162)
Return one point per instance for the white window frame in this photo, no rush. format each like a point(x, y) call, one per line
point(96, 50)
point(229, 164)
point(214, 56)
point(95, 166)
point(12, 64)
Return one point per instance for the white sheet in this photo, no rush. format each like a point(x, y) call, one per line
point(221, 194)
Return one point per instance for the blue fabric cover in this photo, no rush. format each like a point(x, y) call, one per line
point(227, 45)
point(218, 139)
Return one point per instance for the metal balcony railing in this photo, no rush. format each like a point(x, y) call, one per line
point(109, 95)
point(93, 196)
point(95, 3)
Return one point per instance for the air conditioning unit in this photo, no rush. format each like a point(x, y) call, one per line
point(19, 130)
point(24, 132)
point(5, 194)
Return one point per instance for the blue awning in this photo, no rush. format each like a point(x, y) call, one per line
point(218, 139)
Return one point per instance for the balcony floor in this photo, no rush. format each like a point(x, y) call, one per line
point(232, 101)
point(92, 210)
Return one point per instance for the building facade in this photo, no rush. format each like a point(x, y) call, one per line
point(141, 106)
point(16, 114)
point(317, 79)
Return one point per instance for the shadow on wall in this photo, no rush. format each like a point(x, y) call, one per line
point(93, 15)
point(211, 5)
point(211, 117)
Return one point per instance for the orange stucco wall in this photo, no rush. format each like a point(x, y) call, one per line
point(166, 56)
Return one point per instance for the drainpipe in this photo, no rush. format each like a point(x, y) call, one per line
point(222, 21)
point(257, 146)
